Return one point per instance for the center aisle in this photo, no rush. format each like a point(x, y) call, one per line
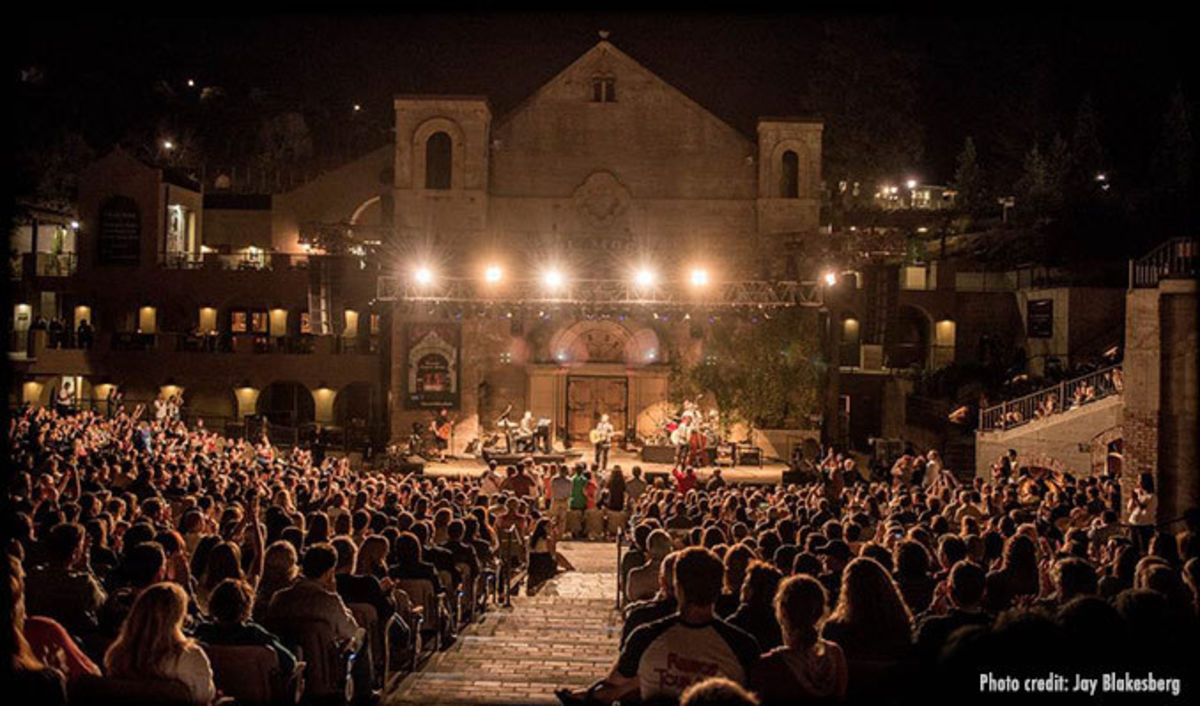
point(566, 635)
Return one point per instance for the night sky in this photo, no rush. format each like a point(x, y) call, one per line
point(1006, 82)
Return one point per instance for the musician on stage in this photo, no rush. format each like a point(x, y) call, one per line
point(525, 430)
point(602, 439)
point(680, 438)
point(441, 426)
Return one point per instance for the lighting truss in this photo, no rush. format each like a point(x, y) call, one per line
point(603, 293)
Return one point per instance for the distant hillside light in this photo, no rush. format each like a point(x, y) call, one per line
point(912, 183)
point(357, 107)
point(168, 145)
point(191, 83)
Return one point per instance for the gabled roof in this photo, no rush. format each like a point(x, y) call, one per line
point(606, 46)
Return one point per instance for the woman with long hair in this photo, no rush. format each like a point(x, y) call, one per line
point(1017, 576)
point(372, 557)
point(224, 562)
point(152, 646)
point(807, 668)
point(756, 614)
point(280, 569)
point(26, 678)
point(542, 565)
point(871, 621)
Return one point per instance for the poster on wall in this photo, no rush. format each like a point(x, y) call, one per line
point(1040, 315)
point(119, 236)
point(431, 362)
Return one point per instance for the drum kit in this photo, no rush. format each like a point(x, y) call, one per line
point(697, 435)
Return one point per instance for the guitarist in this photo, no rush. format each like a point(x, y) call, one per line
point(602, 439)
point(442, 427)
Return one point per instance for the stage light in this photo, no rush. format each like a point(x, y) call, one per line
point(644, 277)
point(699, 277)
point(553, 279)
point(493, 273)
point(423, 275)
point(911, 183)
point(830, 278)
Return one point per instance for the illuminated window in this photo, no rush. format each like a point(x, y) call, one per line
point(237, 322)
point(259, 321)
point(375, 324)
point(305, 322)
point(604, 90)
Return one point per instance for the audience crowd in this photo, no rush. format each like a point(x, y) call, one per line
point(140, 548)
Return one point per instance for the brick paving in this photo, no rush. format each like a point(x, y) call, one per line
point(566, 635)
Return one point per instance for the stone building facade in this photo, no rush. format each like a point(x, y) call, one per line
point(604, 169)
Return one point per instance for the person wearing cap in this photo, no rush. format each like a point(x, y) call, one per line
point(835, 554)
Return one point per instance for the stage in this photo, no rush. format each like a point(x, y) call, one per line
point(770, 472)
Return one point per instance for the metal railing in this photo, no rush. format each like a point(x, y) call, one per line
point(1062, 397)
point(1174, 259)
point(48, 264)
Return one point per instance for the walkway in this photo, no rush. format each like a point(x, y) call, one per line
point(566, 635)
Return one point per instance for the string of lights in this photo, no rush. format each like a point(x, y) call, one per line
point(555, 289)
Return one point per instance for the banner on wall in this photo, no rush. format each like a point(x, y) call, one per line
point(432, 363)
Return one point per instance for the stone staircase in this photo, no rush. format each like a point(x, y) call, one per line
point(565, 636)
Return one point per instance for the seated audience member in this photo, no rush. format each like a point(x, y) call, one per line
point(144, 566)
point(410, 562)
point(962, 603)
point(756, 614)
point(660, 606)
point(808, 668)
point(359, 588)
point(872, 625)
point(314, 596)
point(737, 561)
point(717, 691)
point(65, 588)
point(912, 575)
point(151, 645)
point(642, 581)
point(229, 607)
point(663, 658)
point(26, 678)
point(280, 570)
point(1017, 576)
point(46, 641)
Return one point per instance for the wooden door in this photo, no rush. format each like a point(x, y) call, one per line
point(589, 397)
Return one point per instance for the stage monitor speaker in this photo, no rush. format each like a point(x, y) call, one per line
point(793, 476)
point(409, 465)
point(658, 454)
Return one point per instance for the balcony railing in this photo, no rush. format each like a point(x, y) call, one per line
point(48, 264)
point(1063, 397)
point(1174, 259)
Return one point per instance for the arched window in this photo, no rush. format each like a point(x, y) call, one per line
point(438, 167)
point(789, 176)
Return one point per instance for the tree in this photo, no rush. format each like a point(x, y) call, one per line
point(284, 140)
point(1172, 168)
point(763, 370)
point(1087, 153)
point(1174, 158)
point(1040, 188)
point(968, 181)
